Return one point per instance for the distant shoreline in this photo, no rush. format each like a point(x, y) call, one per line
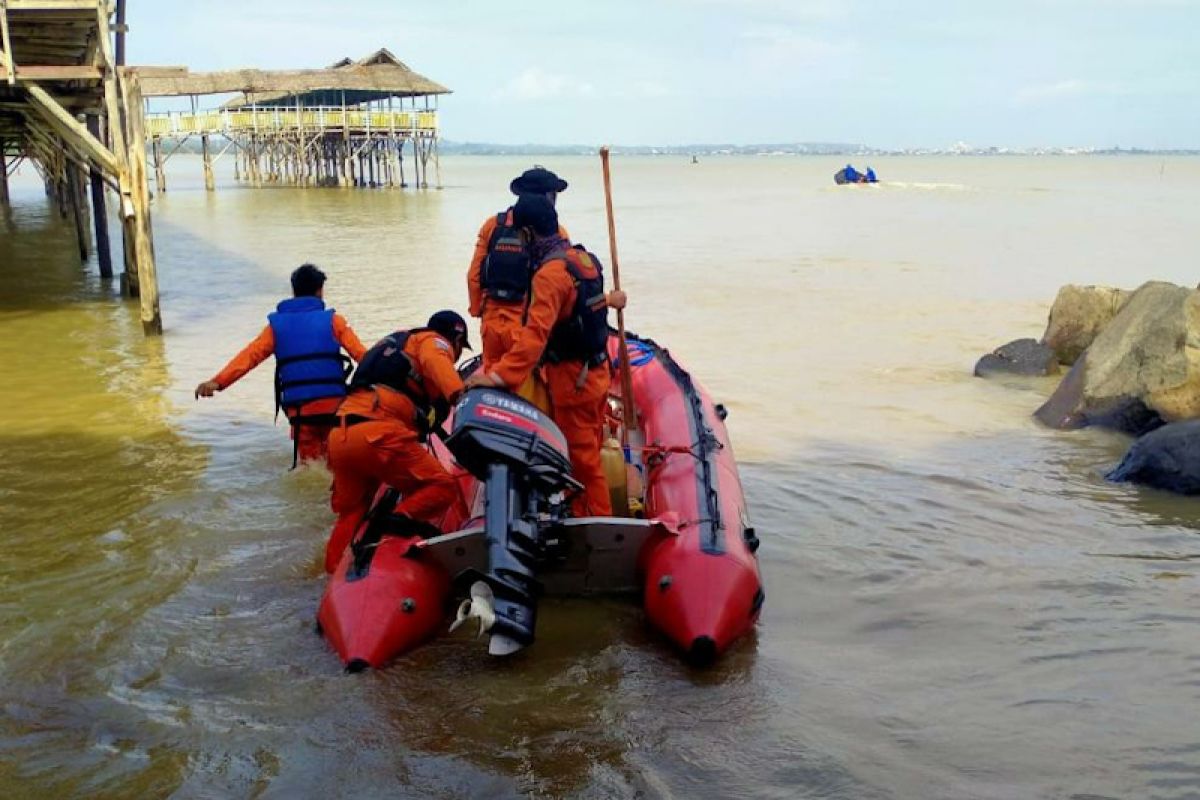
point(805, 149)
point(452, 148)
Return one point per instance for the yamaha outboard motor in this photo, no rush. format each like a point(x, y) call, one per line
point(521, 457)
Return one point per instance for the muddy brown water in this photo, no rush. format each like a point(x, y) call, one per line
point(958, 604)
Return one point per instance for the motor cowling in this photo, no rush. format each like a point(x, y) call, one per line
point(492, 427)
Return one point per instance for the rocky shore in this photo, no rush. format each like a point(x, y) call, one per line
point(1133, 365)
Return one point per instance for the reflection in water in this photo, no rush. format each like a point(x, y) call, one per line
point(938, 623)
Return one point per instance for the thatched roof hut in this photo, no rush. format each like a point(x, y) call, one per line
point(377, 77)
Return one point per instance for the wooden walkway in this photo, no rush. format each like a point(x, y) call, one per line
point(69, 107)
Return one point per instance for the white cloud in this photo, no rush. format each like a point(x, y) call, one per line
point(1073, 87)
point(778, 46)
point(536, 84)
point(650, 89)
point(793, 9)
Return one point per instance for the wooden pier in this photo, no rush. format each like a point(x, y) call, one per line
point(348, 125)
point(70, 108)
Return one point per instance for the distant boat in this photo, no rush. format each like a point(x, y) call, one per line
point(848, 174)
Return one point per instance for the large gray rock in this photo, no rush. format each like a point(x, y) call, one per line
point(1168, 458)
point(1142, 369)
point(1020, 357)
point(1078, 315)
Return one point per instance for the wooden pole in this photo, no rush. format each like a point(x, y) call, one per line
point(631, 423)
point(3, 175)
point(137, 223)
point(160, 176)
point(209, 184)
point(120, 49)
point(7, 61)
point(115, 116)
point(74, 185)
point(99, 211)
point(437, 165)
point(416, 161)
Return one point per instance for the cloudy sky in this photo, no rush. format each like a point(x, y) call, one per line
point(899, 73)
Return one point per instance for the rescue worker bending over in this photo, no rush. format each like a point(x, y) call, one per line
point(498, 280)
point(306, 339)
point(567, 329)
point(401, 391)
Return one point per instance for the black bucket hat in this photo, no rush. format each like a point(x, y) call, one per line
point(538, 180)
point(450, 325)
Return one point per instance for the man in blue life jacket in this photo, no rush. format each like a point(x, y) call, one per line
point(852, 175)
point(870, 176)
point(306, 339)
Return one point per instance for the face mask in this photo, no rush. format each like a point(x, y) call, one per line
point(544, 247)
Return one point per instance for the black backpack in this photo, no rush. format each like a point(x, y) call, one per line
point(506, 271)
point(387, 364)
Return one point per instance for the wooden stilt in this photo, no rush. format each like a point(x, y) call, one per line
point(99, 211)
point(138, 220)
point(437, 165)
point(73, 184)
point(61, 195)
point(3, 175)
point(344, 149)
point(416, 162)
point(160, 175)
point(208, 170)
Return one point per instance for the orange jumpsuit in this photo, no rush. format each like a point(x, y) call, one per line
point(499, 321)
point(387, 448)
point(310, 438)
point(577, 409)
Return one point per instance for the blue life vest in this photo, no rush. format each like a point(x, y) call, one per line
point(309, 364)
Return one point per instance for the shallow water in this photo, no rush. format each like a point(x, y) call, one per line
point(958, 604)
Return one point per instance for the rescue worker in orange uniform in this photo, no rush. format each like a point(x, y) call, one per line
point(498, 280)
point(307, 340)
point(402, 390)
point(567, 332)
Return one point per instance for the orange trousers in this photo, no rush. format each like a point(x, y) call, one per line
point(498, 328)
point(579, 412)
point(312, 441)
point(369, 454)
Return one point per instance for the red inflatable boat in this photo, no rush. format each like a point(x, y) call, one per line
point(684, 542)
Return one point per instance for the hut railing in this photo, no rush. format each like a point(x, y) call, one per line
point(233, 121)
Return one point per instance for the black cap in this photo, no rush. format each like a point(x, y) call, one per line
point(538, 180)
point(450, 325)
point(535, 211)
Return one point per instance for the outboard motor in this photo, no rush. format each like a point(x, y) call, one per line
point(520, 456)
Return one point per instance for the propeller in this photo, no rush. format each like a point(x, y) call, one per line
point(479, 606)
